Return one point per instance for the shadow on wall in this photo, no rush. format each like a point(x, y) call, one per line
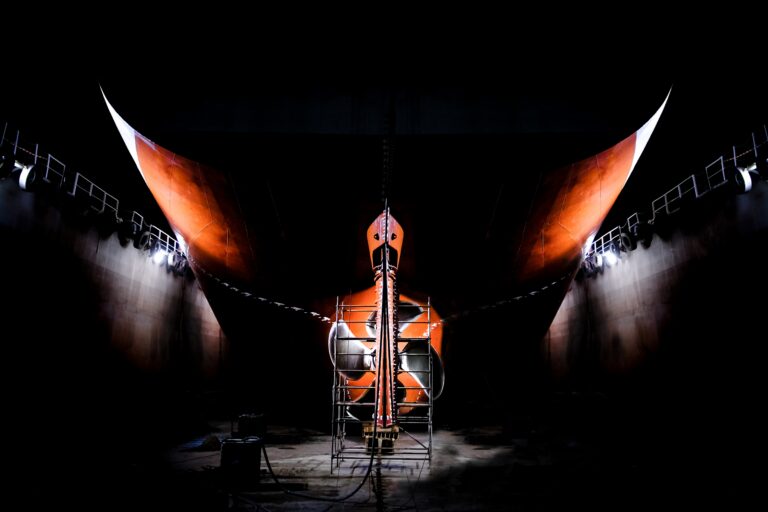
point(106, 354)
point(674, 336)
point(701, 281)
point(157, 321)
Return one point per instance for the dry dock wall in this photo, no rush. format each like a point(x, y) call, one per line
point(145, 314)
point(106, 355)
point(699, 287)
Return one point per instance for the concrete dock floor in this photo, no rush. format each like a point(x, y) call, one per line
point(305, 466)
point(581, 453)
point(478, 468)
point(585, 461)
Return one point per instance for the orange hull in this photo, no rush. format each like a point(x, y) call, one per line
point(567, 209)
point(572, 203)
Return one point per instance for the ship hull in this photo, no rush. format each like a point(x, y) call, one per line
point(496, 275)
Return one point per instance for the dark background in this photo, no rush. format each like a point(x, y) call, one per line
point(300, 128)
point(305, 115)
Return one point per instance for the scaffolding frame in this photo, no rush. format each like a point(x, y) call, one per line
point(412, 446)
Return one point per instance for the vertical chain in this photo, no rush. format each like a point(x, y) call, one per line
point(387, 150)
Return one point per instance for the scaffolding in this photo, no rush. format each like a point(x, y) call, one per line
point(352, 432)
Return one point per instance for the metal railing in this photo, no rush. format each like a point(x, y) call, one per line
point(633, 221)
point(55, 173)
point(163, 240)
point(98, 198)
point(714, 176)
point(610, 238)
point(137, 220)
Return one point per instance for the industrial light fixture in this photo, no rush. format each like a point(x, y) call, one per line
point(742, 180)
point(27, 176)
point(144, 241)
point(159, 256)
point(610, 258)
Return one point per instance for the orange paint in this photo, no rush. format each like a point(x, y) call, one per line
point(380, 230)
point(358, 319)
point(198, 203)
point(570, 207)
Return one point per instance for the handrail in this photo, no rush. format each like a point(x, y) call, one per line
point(692, 187)
point(56, 173)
